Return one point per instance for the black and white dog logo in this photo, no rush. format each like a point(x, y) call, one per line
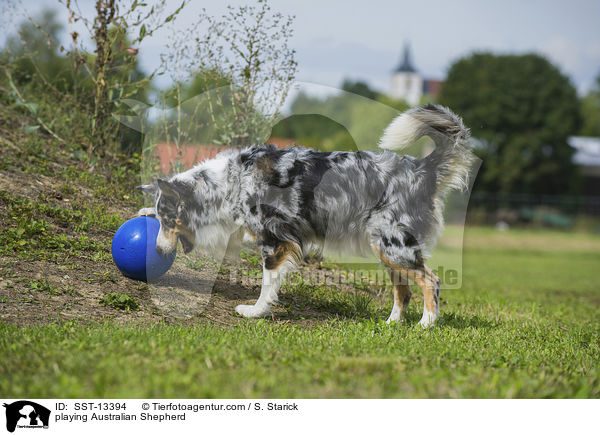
point(26, 414)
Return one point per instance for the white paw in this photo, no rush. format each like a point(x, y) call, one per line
point(146, 211)
point(252, 311)
point(395, 315)
point(428, 319)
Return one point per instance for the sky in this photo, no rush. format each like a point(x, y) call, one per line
point(363, 40)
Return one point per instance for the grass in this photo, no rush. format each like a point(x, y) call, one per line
point(30, 232)
point(525, 324)
point(299, 296)
point(120, 301)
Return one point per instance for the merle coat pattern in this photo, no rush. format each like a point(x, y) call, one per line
point(292, 200)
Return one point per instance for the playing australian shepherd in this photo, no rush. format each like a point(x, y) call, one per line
point(291, 201)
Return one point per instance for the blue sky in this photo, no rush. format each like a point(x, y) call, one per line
point(364, 39)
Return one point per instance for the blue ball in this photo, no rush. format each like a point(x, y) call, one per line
point(134, 250)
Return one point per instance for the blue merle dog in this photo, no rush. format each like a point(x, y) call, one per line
point(292, 200)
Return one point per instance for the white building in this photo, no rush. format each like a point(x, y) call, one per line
point(587, 157)
point(407, 83)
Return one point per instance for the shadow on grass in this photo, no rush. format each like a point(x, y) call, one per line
point(234, 291)
point(184, 282)
point(304, 301)
point(459, 321)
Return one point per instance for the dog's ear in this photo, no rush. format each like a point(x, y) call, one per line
point(167, 188)
point(149, 189)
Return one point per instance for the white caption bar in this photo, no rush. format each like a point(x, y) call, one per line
point(125, 416)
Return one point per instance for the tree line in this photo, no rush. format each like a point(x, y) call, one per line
point(520, 108)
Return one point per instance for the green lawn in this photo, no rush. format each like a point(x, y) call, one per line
point(525, 324)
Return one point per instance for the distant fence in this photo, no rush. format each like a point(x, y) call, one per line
point(525, 204)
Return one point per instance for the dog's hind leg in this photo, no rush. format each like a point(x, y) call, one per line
point(276, 266)
point(402, 296)
point(417, 271)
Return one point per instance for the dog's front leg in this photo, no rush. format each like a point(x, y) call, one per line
point(277, 263)
point(271, 283)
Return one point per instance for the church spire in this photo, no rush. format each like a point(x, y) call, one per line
point(406, 64)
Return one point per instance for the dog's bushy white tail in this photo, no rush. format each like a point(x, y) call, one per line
point(451, 159)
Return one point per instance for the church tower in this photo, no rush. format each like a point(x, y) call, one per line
point(407, 83)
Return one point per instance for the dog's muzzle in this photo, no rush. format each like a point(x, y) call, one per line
point(166, 242)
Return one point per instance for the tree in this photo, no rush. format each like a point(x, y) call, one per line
point(195, 109)
point(31, 53)
point(359, 88)
point(247, 49)
point(117, 29)
point(31, 65)
point(94, 82)
point(590, 112)
point(521, 109)
point(344, 121)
